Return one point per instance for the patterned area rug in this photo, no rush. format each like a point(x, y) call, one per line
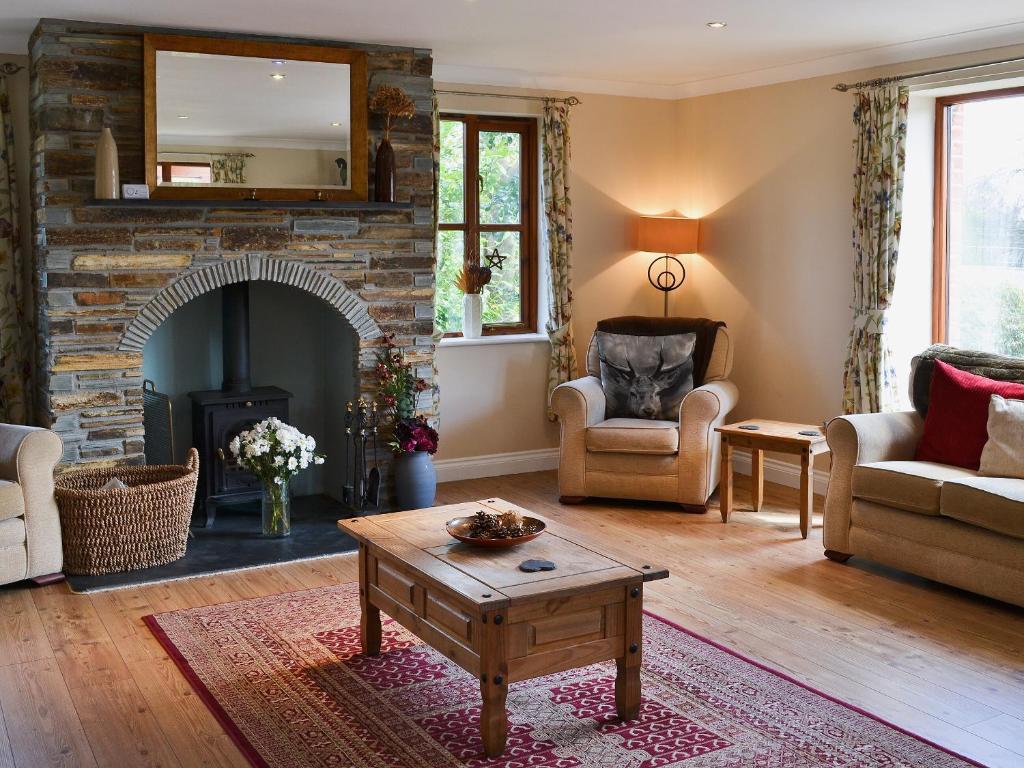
point(285, 677)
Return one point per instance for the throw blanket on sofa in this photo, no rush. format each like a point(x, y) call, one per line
point(706, 330)
point(987, 364)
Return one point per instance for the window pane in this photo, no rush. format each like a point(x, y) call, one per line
point(451, 186)
point(986, 225)
point(502, 296)
point(447, 297)
point(500, 160)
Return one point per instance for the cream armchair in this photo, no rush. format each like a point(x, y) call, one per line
point(30, 542)
point(675, 461)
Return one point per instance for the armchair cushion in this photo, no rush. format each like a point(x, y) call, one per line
point(12, 500)
point(993, 503)
point(645, 377)
point(914, 486)
point(12, 533)
point(647, 436)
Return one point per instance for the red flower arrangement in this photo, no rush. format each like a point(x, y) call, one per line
point(415, 435)
point(399, 385)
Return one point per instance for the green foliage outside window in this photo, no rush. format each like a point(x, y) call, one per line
point(500, 156)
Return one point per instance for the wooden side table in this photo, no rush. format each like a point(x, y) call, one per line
point(760, 435)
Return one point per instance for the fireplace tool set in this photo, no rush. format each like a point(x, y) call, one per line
point(362, 486)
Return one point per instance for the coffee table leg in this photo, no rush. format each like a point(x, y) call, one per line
point(627, 678)
point(493, 717)
point(493, 684)
point(369, 620)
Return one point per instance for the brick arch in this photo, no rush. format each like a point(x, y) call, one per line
point(200, 281)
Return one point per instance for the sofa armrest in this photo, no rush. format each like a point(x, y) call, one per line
point(860, 439)
point(28, 456)
point(579, 404)
point(703, 409)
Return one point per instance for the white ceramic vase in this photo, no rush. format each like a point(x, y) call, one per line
point(472, 315)
point(108, 182)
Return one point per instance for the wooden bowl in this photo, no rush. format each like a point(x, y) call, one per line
point(460, 528)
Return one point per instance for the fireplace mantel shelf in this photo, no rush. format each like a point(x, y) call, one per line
point(352, 205)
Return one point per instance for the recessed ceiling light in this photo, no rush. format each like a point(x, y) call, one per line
point(277, 62)
point(183, 117)
point(277, 76)
point(335, 124)
point(716, 25)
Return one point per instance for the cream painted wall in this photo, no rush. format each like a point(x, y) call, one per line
point(769, 171)
point(624, 160)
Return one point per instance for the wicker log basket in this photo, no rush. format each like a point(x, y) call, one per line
point(125, 529)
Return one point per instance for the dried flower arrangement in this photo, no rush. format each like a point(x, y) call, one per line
point(393, 103)
point(507, 525)
point(473, 278)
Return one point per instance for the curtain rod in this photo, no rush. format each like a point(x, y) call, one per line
point(843, 87)
point(10, 68)
point(569, 101)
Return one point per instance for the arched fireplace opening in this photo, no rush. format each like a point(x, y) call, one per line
point(299, 363)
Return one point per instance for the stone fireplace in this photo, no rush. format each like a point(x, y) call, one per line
point(109, 274)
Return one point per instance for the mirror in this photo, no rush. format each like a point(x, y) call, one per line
point(236, 119)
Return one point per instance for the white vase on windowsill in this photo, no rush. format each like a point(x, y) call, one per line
point(472, 315)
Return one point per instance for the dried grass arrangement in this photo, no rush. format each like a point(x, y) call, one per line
point(393, 103)
point(473, 278)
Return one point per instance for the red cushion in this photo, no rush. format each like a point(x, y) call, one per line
point(956, 427)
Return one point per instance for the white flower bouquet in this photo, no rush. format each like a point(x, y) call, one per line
point(275, 452)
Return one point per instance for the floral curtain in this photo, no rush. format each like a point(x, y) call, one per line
point(228, 169)
point(558, 210)
point(15, 330)
point(880, 116)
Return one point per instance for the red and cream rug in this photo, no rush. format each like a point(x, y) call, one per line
point(285, 677)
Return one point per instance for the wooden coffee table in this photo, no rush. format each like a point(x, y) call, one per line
point(780, 436)
point(500, 624)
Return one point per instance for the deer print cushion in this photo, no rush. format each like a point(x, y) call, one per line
point(645, 377)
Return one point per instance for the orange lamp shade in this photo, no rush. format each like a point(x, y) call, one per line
point(667, 234)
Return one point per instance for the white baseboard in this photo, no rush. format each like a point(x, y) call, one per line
point(494, 464)
point(780, 472)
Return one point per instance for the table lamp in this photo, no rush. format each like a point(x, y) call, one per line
point(668, 235)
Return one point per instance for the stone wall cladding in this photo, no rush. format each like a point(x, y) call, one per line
point(107, 276)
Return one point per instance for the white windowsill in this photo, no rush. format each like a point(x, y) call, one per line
point(509, 338)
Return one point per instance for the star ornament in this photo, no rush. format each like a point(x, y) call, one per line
point(495, 260)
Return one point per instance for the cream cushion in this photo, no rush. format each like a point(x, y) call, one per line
point(993, 503)
point(12, 533)
point(914, 486)
point(1003, 454)
point(633, 436)
point(12, 500)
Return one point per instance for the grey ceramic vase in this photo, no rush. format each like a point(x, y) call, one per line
point(415, 480)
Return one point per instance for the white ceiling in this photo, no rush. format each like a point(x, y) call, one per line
point(212, 100)
point(658, 48)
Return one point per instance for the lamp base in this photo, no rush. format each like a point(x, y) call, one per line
point(666, 280)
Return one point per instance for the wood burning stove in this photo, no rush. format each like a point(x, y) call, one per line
point(220, 414)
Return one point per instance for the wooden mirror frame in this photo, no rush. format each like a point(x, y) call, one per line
point(358, 146)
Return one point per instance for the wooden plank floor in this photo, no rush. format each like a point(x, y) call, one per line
point(83, 683)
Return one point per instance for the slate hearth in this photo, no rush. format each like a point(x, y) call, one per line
point(235, 542)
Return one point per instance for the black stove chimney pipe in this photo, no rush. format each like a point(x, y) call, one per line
point(235, 344)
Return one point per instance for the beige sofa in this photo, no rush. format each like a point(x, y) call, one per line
point(30, 543)
point(941, 522)
point(675, 461)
